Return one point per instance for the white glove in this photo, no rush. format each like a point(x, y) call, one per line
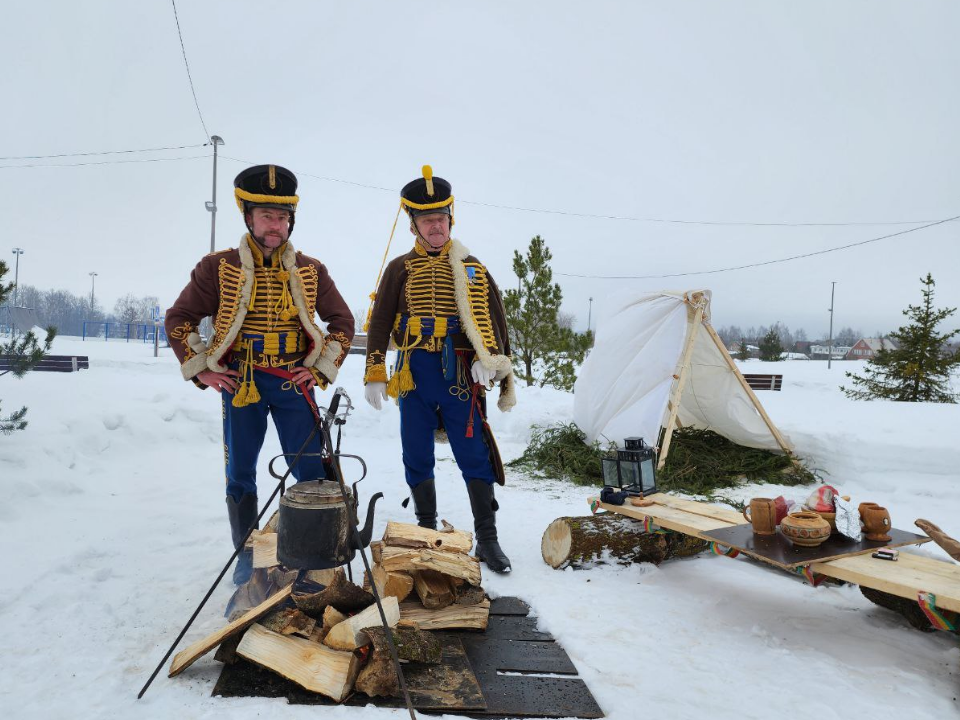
point(481, 374)
point(374, 392)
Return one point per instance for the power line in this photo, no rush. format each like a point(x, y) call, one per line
point(733, 223)
point(102, 162)
point(187, 65)
point(103, 152)
point(761, 264)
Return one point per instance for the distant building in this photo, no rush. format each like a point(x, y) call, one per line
point(866, 348)
point(820, 352)
point(802, 346)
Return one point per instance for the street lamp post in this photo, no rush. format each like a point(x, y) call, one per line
point(16, 274)
point(93, 282)
point(212, 205)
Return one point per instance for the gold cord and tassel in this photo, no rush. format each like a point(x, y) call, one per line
point(284, 307)
point(247, 393)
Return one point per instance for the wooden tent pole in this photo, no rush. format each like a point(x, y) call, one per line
point(674, 402)
point(743, 383)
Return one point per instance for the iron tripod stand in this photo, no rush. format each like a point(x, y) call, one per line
point(322, 425)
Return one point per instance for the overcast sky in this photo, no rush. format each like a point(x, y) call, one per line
point(763, 112)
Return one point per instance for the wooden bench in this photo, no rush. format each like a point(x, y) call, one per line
point(904, 578)
point(53, 363)
point(764, 382)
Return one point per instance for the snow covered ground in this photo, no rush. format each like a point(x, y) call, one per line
point(115, 523)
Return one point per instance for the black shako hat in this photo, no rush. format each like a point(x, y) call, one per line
point(266, 186)
point(427, 194)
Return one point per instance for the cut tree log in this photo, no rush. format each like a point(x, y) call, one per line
point(378, 678)
point(186, 657)
point(310, 665)
point(470, 595)
point(456, 565)
point(471, 617)
point(412, 644)
point(348, 635)
point(909, 609)
point(579, 541)
point(341, 593)
point(433, 589)
point(265, 550)
point(396, 584)
point(414, 536)
point(376, 549)
point(332, 616)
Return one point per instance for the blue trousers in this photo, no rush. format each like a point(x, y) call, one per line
point(418, 422)
point(245, 428)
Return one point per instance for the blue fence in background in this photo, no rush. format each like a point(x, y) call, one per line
point(137, 332)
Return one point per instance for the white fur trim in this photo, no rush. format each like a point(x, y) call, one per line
point(214, 354)
point(501, 365)
point(289, 261)
point(326, 364)
point(198, 363)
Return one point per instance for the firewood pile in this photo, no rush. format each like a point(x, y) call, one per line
point(327, 636)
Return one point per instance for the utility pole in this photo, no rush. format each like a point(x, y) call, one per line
point(93, 282)
point(833, 286)
point(16, 274)
point(212, 205)
point(589, 314)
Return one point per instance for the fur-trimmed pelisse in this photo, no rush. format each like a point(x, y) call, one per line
point(324, 353)
point(501, 365)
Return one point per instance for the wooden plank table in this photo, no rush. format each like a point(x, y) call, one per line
point(904, 578)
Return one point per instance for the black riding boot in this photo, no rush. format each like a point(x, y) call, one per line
point(243, 516)
point(425, 504)
point(484, 506)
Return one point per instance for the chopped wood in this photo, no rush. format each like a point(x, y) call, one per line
point(414, 536)
point(378, 678)
point(264, 550)
point(272, 523)
point(280, 578)
point(407, 623)
point(376, 548)
point(289, 621)
point(413, 645)
point(580, 541)
point(332, 616)
point(470, 595)
point(395, 584)
point(348, 635)
point(319, 633)
point(186, 657)
point(310, 665)
point(433, 589)
point(341, 593)
point(454, 564)
point(473, 617)
point(227, 651)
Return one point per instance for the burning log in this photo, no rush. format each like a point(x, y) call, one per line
point(348, 635)
point(579, 541)
point(433, 589)
point(414, 536)
point(313, 666)
point(473, 617)
point(457, 565)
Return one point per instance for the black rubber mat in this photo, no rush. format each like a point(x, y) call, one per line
point(509, 606)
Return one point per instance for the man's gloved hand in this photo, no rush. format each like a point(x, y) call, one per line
point(481, 374)
point(375, 393)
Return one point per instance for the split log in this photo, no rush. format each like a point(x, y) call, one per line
point(471, 617)
point(348, 635)
point(341, 593)
point(186, 657)
point(310, 665)
point(470, 595)
point(395, 584)
point(376, 548)
point(433, 589)
point(413, 645)
point(332, 616)
point(289, 621)
point(264, 550)
point(454, 564)
point(378, 678)
point(227, 652)
point(579, 541)
point(414, 536)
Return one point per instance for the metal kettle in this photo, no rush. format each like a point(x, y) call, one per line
point(314, 529)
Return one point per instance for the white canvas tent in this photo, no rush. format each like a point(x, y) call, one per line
point(657, 365)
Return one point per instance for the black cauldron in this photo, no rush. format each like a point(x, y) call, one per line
point(314, 528)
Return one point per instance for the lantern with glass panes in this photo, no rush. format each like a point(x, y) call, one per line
point(632, 469)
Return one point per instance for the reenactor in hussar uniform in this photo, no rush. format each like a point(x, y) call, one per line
point(267, 352)
point(445, 315)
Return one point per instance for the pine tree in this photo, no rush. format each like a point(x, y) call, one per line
point(918, 370)
point(544, 352)
point(770, 347)
point(22, 354)
point(743, 352)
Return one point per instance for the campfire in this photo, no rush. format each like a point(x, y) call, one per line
point(325, 633)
